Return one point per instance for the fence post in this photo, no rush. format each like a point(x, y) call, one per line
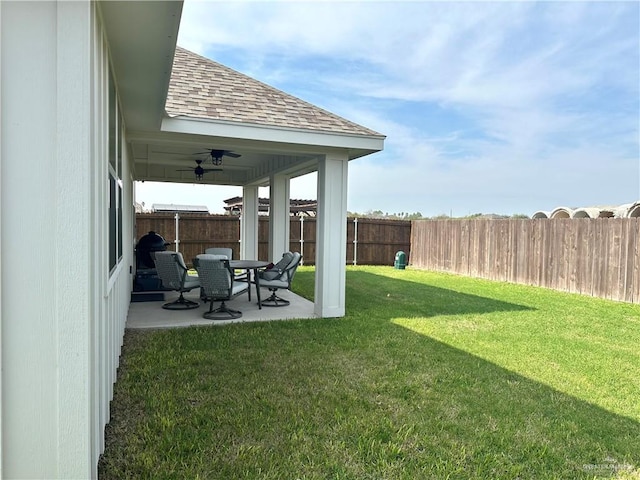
point(355, 241)
point(177, 241)
point(240, 220)
point(301, 239)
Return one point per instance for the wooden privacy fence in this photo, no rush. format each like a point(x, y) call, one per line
point(598, 257)
point(369, 241)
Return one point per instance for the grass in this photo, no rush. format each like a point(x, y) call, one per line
point(427, 376)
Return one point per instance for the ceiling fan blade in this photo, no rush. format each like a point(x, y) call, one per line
point(194, 168)
point(223, 153)
point(217, 153)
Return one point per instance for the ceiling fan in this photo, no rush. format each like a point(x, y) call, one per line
point(198, 170)
point(216, 155)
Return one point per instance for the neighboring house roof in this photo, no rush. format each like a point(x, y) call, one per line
point(202, 88)
point(170, 207)
point(296, 207)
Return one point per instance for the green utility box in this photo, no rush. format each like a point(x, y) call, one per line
point(401, 260)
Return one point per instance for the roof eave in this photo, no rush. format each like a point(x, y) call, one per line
point(142, 37)
point(358, 145)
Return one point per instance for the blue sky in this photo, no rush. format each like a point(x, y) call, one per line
point(492, 107)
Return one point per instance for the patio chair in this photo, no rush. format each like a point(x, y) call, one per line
point(228, 252)
point(278, 277)
point(172, 271)
point(218, 284)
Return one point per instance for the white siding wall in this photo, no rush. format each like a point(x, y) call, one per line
point(112, 291)
point(62, 313)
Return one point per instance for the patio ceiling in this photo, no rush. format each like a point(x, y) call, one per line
point(169, 156)
point(211, 107)
point(164, 156)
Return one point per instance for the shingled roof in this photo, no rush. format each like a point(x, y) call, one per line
point(202, 88)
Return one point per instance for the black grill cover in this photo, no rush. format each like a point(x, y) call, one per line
point(151, 242)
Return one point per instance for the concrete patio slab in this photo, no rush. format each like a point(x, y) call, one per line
point(151, 314)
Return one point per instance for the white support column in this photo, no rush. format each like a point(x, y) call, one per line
point(278, 216)
point(249, 224)
point(331, 240)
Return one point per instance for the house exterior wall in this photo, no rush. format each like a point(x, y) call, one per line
point(62, 305)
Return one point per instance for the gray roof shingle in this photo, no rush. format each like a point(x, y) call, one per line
point(202, 88)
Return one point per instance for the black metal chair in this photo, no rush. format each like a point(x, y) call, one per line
point(173, 273)
point(218, 284)
point(279, 277)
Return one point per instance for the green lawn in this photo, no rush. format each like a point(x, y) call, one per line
point(427, 376)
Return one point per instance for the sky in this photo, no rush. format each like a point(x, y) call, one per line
point(487, 107)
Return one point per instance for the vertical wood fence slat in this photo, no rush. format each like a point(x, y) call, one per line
point(635, 265)
point(632, 239)
point(616, 269)
point(601, 261)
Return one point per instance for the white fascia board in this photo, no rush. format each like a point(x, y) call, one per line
point(358, 145)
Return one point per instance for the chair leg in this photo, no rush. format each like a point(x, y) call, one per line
point(275, 301)
point(222, 312)
point(181, 304)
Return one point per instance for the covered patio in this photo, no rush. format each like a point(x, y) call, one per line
point(221, 127)
point(146, 315)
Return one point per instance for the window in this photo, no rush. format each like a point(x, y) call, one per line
point(115, 177)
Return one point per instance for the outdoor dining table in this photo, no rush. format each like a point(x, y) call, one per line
point(248, 266)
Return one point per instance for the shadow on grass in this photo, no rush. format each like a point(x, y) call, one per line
point(414, 299)
point(352, 398)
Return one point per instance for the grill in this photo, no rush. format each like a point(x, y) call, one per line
point(146, 274)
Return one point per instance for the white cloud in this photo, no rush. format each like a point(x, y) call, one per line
point(509, 106)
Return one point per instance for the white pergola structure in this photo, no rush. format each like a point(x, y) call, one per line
point(91, 101)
